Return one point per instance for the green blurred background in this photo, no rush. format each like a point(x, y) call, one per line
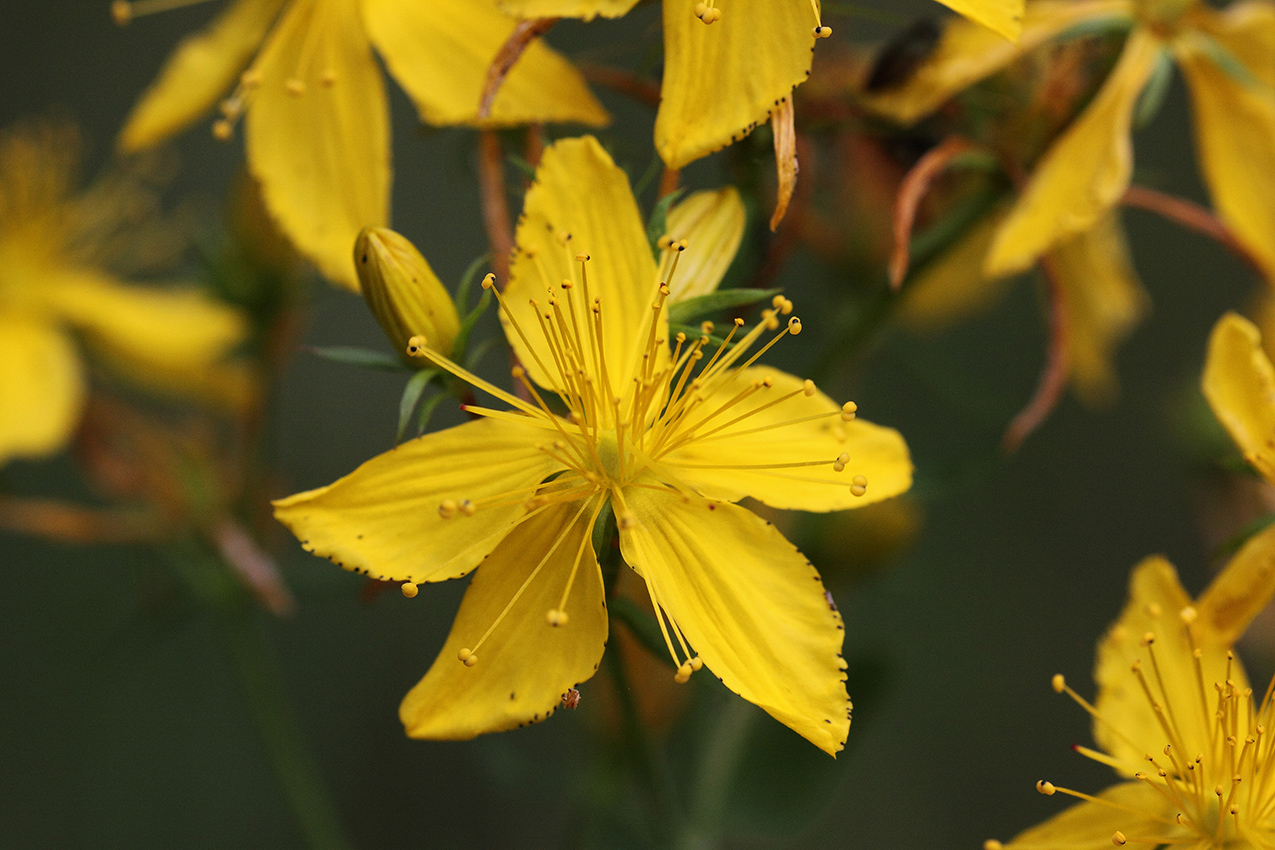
point(120, 721)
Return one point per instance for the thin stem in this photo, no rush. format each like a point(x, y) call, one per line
point(720, 760)
point(491, 178)
point(1192, 216)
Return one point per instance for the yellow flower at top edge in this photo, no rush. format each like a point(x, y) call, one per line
point(668, 432)
point(52, 289)
point(1176, 717)
point(1228, 59)
point(302, 75)
point(729, 63)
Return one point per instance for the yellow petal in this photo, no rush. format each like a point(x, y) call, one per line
point(722, 79)
point(1240, 591)
point(1104, 300)
point(967, 53)
point(1246, 29)
point(1235, 135)
point(203, 68)
point(751, 605)
point(1156, 600)
point(383, 518)
point(717, 465)
point(322, 157)
point(170, 329)
point(952, 287)
point(586, 9)
point(1004, 17)
point(439, 53)
point(1134, 808)
point(1239, 383)
point(41, 388)
point(712, 223)
point(580, 191)
point(525, 665)
point(1085, 172)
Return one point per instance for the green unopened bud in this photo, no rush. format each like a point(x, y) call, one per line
point(403, 292)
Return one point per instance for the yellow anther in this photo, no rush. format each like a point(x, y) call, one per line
point(1148, 639)
point(518, 372)
point(683, 674)
point(409, 590)
point(489, 280)
point(697, 663)
point(706, 327)
point(1058, 682)
point(222, 130)
point(466, 656)
point(858, 485)
point(808, 388)
point(1046, 788)
point(993, 844)
point(416, 346)
point(848, 411)
point(1118, 839)
point(794, 326)
point(566, 284)
point(294, 87)
point(839, 465)
point(467, 507)
point(739, 323)
point(447, 508)
point(121, 12)
point(556, 618)
point(777, 302)
point(682, 244)
point(250, 79)
point(1154, 610)
point(665, 242)
point(1188, 615)
point(701, 9)
point(328, 79)
point(582, 257)
point(769, 320)
point(823, 32)
point(626, 520)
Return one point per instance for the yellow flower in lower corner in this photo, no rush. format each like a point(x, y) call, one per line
point(52, 285)
point(1177, 719)
point(668, 432)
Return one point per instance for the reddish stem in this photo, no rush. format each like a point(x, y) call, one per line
point(1053, 377)
point(915, 186)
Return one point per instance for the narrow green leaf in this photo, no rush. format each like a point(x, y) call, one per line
point(426, 411)
point(1152, 97)
point(657, 224)
point(480, 351)
point(1113, 25)
point(411, 395)
point(467, 282)
point(648, 176)
point(461, 344)
point(365, 357)
point(685, 312)
point(642, 625)
point(528, 170)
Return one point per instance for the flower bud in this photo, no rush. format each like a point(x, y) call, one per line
point(403, 292)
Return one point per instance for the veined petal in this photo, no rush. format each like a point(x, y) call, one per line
point(41, 388)
point(524, 665)
point(1240, 591)
point(440, 51)
point(202, 69)
point(322, 156)
point(580, 191)
point(717, 464)
point(953, 286)
point(171, 329)
point(1239, 383)
point(722, 79)
point(1003, 17)
point(1235, 134)
point(1085, 172)
point(1156, 600)
point(1104, 300)
point(586, 9)
point(712, 222)
point(750, 605)
point(967, 53)
point(1134, 808)
point(383, 518)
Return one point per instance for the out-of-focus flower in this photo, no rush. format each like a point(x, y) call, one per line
point(1228, 59)
point(53, 287)
point(1176, 717)
point(713, 220)
point(403, 292)
point(1239, 383)
point(314, 104)
point(667, 433)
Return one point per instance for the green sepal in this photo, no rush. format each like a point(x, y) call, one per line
point(411, 397)
point(657, 224)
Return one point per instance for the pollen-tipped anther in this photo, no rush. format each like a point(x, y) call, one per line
point(808, 388)
point(683, 674)
point(409, 589)
point(447, 508)
point(1188, 615)
point(1046, 788)
point(993, 844)
point(466, 656)
point(822, 32)
point(839, 465)
point(222, 130)
point(294, 87)
point(121, 12)
point(848, 411)
point(328, 78)
point(467, 507)
point(794, 326)
point(626, 520)
point(1118, 839)
point(555, 617)
point(489, 280)
point(858, 485)
point(1058, 683)
point(416, 346)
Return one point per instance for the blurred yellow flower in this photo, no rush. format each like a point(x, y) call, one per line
point(1239, 383)
point(302, 74)
point(1176, 717)
point(722, 80)
point(669, 449)
point(51, 285)
point(1228, 59)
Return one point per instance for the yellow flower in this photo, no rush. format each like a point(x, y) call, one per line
point(1103, 298)
point(668, 433)
point(316, 114)
point(1239, 383)
point(51, 285)
point(1228, 59)
point(1176, 717)
point(723, 79)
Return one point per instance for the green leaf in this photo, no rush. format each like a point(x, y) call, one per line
point(467, 326)
point(686, 312)
point(426, 411)
point(657, 224)
point(642, 625)
point(648, 176)
point(467, 282)
point(365, 357)
point(528, 170)
point(1112, 25)
point(411, 396)
point(1225, 59)
point(1152, 97)
point(480, 351)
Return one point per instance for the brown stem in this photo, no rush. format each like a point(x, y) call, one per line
point(534, 147)
point(491, 177)
point(916, 184)
point(1192, 216)
point(641, 89)
point(669, 180)
point(506, 57)
point(1053, 377)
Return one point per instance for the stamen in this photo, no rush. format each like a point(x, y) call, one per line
point(409, 589)
point(123, 11)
